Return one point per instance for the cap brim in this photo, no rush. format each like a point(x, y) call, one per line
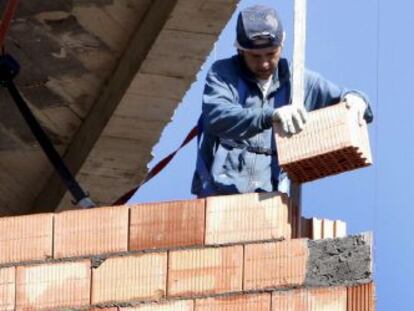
point(237, 45)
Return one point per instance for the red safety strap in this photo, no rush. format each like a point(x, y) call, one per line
point(157, 168)
point(8, 16)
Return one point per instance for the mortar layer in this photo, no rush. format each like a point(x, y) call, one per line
point(345, 261)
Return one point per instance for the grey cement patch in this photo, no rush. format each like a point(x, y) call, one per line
point(97, 260)
point(75, 36)
point(8, 141)
point(29, 73)
point(30, 37)
point(14, 124)
point(91, 2)
point(40, 96)
point(343, 261)
point(64, 25)
point(15, 132)
point(32, 7)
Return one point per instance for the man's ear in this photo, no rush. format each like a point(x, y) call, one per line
point(240, 52)
point(283, 39)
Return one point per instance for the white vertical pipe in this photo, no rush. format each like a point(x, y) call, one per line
point(298, 92)
point(299, 44)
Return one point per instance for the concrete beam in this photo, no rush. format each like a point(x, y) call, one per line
point(112, 93)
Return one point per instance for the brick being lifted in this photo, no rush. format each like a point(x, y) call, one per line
point(331, 143)
point(242, 252)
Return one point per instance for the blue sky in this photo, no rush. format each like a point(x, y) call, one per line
point(359, 44)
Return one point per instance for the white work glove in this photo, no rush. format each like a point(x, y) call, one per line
point(356, 103)
point(291, 117)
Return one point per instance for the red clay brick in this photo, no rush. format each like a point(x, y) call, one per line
point(125, 278)
point(340, 229)
point(167, 224)
point(205, 271)
point(180, 305)
point(328, 229)
point(331, 143)
point(25, 238)
point(329, 299)
point(247, 217)
point(316, 229)
point(277, 264)
point(258, 302)
point(54, 285)
point(361, 297)
point(7, 288)
point(90, 232)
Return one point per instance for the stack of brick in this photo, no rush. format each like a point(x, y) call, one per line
point(241, 252)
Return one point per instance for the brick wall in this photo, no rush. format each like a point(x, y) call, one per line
point(223, 253)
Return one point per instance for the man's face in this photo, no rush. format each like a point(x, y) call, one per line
point(262, 62)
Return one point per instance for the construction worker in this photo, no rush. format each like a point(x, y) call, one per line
point(243, 96)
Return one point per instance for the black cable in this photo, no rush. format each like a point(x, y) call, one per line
point(8, 70)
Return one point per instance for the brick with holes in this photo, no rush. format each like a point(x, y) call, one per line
point(26, 238)
point(332, 142)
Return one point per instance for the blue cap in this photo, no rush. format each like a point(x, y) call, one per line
point(259, 27)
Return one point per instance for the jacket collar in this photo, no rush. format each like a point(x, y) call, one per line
point(280, 76)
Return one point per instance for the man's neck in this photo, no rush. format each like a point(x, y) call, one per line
point(264, 84)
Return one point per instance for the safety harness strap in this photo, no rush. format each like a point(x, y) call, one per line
point(158, 167)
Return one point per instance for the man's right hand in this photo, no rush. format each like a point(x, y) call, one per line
point(291, 117)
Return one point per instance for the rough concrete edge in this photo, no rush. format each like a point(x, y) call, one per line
point(368, 237)
point(342, 261)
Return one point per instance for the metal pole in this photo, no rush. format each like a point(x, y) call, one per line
point(299, 45)
point(298, 96)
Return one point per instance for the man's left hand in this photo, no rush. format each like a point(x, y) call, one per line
point(358, 104)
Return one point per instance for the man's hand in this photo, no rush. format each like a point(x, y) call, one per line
point(292, 118)
point(356, 103)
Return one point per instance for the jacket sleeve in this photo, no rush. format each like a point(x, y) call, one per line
point(320, 93)
point(224, 117)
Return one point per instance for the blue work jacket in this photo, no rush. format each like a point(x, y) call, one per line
point(235, 112)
